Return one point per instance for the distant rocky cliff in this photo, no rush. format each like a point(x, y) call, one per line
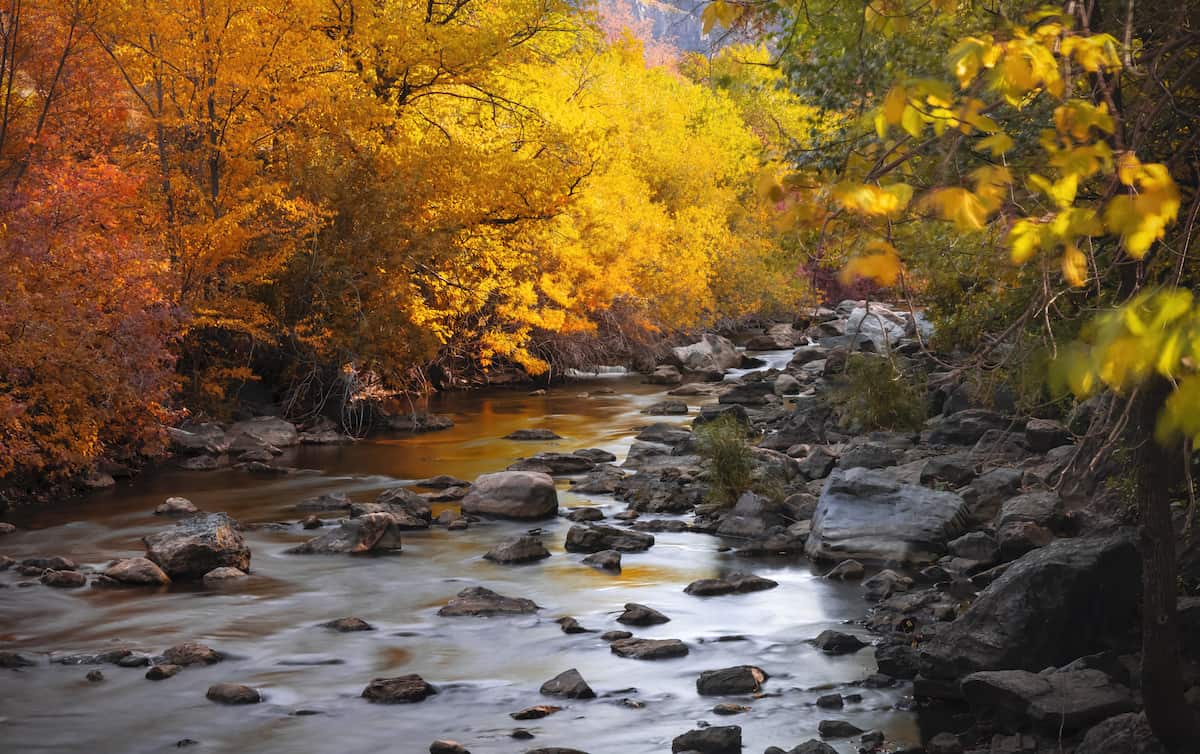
point(676, 22)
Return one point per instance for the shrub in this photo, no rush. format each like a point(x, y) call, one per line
point(722, 443)
point(872, 394)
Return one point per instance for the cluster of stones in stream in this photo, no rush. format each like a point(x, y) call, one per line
point(987, 575)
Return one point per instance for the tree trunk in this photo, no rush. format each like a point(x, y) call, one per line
point(1169, 715)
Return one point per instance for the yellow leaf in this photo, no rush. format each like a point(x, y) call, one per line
point(882, 265)
point(1024, 240)
point(911, 122)
point(998, 144)
point(1128, 166)
point(1074, 266)
point(959, 206)
point(894, 104)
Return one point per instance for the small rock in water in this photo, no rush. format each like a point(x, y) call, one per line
point(223, 575)
point(12, 660)
point(133, 661)
point(232, 693)
point(138, 572)
point(811, 746)
point(441, 481)
point(162, 672)
point(874, 739)
point(605, 560)
point(192, 653)
point(837, 729)
point(63, 579)
point(570, 625)
point(536, 712)
point(615, 635)
point(176, 506)
point(838, 643)
point(312, 521)
point(6, 528)
point(458, 524)
point(716, 739)
point(197, 545)
point(728, 708)
point(735, 583)
point(649, 649)
point(847, 570)
point(442, 746)
point(349, 624)
point(741, 679)
point(532, 434)
point(404, 689)
point(568, 684)
point(525, 549)
point(580, 515)
point(481, 601)
point(521, 734)
point(640, 615)
point(830, 701)
point(95, 676)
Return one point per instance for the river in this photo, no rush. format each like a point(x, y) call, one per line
point(267, 625)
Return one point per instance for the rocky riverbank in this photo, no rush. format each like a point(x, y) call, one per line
point(989, 602)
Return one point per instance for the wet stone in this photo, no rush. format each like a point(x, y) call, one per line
point(348, 625)
point(649, 649)
point(442, 746)
point(94, 676)
point(481, 601)
point(741, 679)
point(232, 693)
point(830, 701)
point(641, 615)
point(605, 560)
point(570, 625)
point(615, 635)
point(837, 643)
point(404, 689)
point(525, 549)
point(162, 672)
point(568, 684)
point(716, 739)
point(536, 712)
point(837, 729)
point(192, 653)
point(728, 708)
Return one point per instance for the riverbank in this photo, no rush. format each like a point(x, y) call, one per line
point(933, 518)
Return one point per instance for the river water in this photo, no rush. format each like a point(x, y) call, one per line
point(485, 668)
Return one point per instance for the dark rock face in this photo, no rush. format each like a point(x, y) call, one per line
point(866, 514)
point(162, 672)
point(1122, 734)
point(526, 549)
point(716, 739)
point(640, 615)
point(1042, 435)
point(896, 660)
point(581, 538)
point(197, 545)
point(138, 572)
point(954, 470)
point(348, 625)
point(649, 649)
point(748, 394)
point(481, 601)
point(1065, 700)
point(14, 660)
point(521, 495)
point(665, 434)
point(752, 516)
point(1070, 598)
point(568, 684)
point(373, 532)
point(837, 729)
point(812, 746)
point(708, 414)
point(967, 427)
point(868, 456)
point(404, 689)
point(741, 679)
point(735, 583)
point(838, 643)
point(232, 693)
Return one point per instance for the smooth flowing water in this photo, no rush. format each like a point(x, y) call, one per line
point(485, 668)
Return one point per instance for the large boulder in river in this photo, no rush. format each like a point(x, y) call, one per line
point(868, 515)
point(522, 495)
point(1071, 598)
point(481, 601)
point(584, 538)
point(372, 532)
point(711, 353)
point(262, 431)
point(525, 549)
point(195, 546)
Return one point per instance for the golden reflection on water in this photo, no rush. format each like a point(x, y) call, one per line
point(390, 658)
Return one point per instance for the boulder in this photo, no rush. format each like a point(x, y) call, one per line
point(1059, 701)
point(162, 672)
point(665, 375)
point(595, 455)
point(666, 408)
point(1041, 435)
point(330, 502)
point(884, 584)
point(192, 653)
point(869, 455)
point(837, 729)
point(223, 575)
point(605, 560)
point(786, 384)
point(525, 549)
point(176, 506)
point(206, 438)
point(536, 712)
point(1019, 537)
point(866, 514)
point(715, 739)
point(878, 324)
point(989, 490)
point(812, 746)
point(734, 583)
point(529, 435)
point(593, 538)
point(838, 643)
point(712, 352)
point(262, 431)
point(404, 689)
point(63, 579)
point(555, 463)
point(648, 649)
point(735, 411)
point(568, 684)
point(373, 532)
point(641, 615)
point(1042, 508)
point(664, 434)
point(1070, 598)
point(349, 624)
point(445, 746)
point(978, 546)
point(751, 517)
point(847, 570)
point(1122, 734)
point(967, 427)
point(232, 693)
point(481, 601)
point(441, 482)
point(897, 660)
point(954, 470)
point(521, 495)
point(196, 545)
point(740, 679)
point(137, 571)
point(748, 394)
